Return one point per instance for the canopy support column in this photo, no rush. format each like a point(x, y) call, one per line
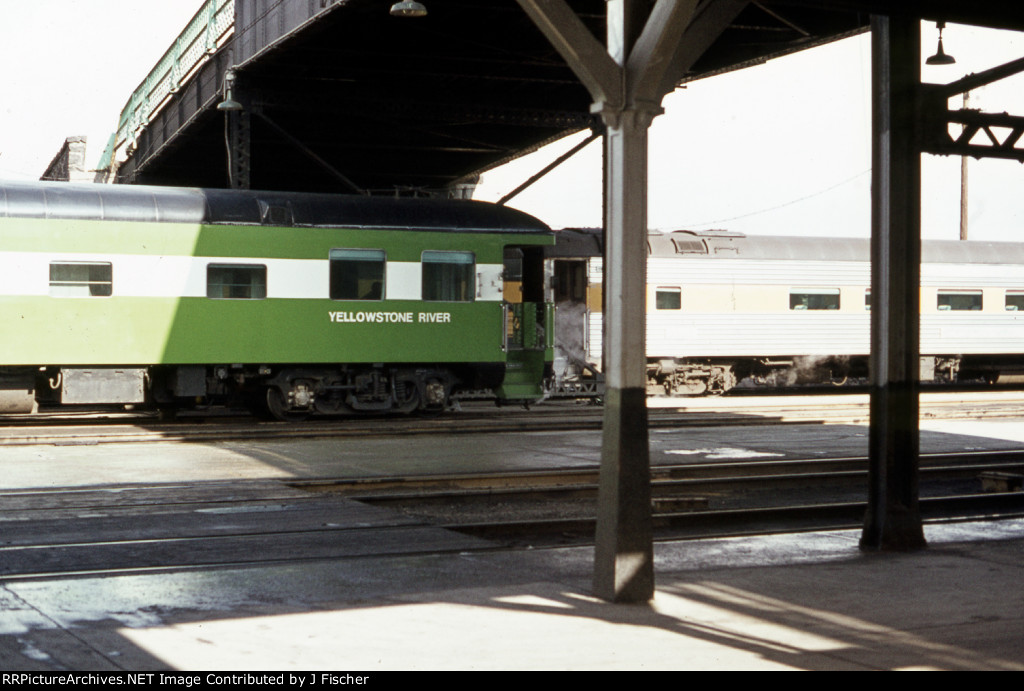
point(893, 520)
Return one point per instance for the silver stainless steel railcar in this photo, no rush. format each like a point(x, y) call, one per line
point(725, 309)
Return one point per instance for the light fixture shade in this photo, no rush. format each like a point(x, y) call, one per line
point(940, 57)
point(408, 8)
point(230, 104)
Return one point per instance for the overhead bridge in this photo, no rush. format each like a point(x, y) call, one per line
point(340, 96)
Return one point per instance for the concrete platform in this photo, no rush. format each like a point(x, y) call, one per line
point(810, 601)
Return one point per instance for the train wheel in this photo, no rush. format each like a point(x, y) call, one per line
point(277, 407)
point(691, 387)
point(167, 412)
point(435, 398)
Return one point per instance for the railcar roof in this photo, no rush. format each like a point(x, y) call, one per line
point(576, 242)
point(725, 244)
point(722, 244)
point(242, 207)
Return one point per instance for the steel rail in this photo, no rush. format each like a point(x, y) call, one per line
point(540, 534)
point(28, 430)
point(191, 549)
point(696, 525)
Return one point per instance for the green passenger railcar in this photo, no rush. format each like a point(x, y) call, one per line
point(296, 303)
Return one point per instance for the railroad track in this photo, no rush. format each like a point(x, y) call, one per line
point(664, 475)
point(64, 429)
point(695, 525)
point(667, 480)
point(688, 500)
point(120, 529)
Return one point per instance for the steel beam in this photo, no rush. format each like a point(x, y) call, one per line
point(893, 520)
point(1003, 133)
point(297, 143)
point(702, 26)
point(548, 168)
point(572, 39)
point(239, 142)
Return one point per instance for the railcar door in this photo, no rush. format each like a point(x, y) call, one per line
point(569, 290)
point(528, 322)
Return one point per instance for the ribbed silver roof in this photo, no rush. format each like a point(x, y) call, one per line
point(215, 206)
point(724, 244)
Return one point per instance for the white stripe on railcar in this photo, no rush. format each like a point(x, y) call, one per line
point(699, 271)
point(27, 274)
point(973, 276)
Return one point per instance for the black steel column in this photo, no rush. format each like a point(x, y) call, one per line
point(239, 149)
point(893, 520)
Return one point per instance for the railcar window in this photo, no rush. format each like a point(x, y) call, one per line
point(512, 275)
point(513, 269)
point(357, 274)
point(668, 298)
point(276, 214)
point(959, 300)
point(236, 281)
point(570, 281)
point(814, 299)
point(1014, 300)
point(81, 279)
point(448, 276)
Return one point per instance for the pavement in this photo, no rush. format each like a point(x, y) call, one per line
point(810, 601)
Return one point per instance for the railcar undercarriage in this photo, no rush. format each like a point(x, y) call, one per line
point(283, 392)
point(670, 377)
point(357, 390)
point(292, 392)
point(714, 376)
point(696, 377)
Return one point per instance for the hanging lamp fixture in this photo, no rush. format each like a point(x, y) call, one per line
point(940, 57)
point(229, 103)
point(408, 8)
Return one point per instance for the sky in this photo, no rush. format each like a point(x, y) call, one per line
point(778, 149)
point(69, 68)
point(784, 149)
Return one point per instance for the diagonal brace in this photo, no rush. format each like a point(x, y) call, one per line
point(587, 57)
point(677, 34)
point(650, 60)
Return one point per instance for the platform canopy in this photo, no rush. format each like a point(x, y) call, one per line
point(340, 94)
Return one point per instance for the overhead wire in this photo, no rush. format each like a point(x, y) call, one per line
point(784, 205)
